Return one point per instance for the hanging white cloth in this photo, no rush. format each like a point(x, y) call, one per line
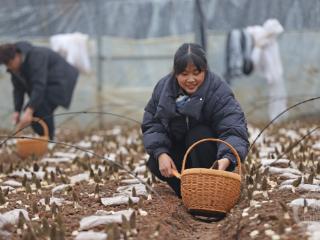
point(74, 47)
point(267, 61)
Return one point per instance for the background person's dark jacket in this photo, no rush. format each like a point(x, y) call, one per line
point(44, 74)
point(212, 105)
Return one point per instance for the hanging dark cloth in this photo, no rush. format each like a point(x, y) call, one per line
point(238, 54)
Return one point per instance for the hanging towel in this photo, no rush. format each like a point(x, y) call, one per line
point(267, 61)
point(74, 48)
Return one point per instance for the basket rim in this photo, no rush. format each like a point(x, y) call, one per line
point(206, 171)
point(37, 139)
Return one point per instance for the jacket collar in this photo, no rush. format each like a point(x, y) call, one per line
point(167, 106)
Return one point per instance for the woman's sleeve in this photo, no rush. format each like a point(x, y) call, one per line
point(229, 122)
point(155, 137)
point(18, 95)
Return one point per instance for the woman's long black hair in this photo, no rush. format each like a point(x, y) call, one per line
point(189, 53)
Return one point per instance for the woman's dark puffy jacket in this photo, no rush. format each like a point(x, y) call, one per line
point(212, 105)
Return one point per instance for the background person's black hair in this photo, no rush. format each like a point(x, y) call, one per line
point(7, 53)
point(189, 53)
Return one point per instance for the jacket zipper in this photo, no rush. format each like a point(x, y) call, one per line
point(187, 122)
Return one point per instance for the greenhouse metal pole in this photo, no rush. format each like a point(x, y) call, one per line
point(99, 74)
point(99, 77)
point(200, 25)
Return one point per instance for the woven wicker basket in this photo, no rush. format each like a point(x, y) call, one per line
point(209, 191)
point(29, 147)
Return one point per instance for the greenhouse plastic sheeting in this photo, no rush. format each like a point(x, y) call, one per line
point(147, 18)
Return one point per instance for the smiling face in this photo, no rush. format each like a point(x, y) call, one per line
point(190, 79)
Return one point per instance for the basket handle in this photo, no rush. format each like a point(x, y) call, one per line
point(43, 125)
point(176, 174)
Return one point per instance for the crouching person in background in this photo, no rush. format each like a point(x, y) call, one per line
point(44, 76)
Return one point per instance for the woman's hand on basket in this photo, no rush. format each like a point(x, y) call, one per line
point(166, 165)
point(223, 164)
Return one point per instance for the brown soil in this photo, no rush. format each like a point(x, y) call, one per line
point(167, 217)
